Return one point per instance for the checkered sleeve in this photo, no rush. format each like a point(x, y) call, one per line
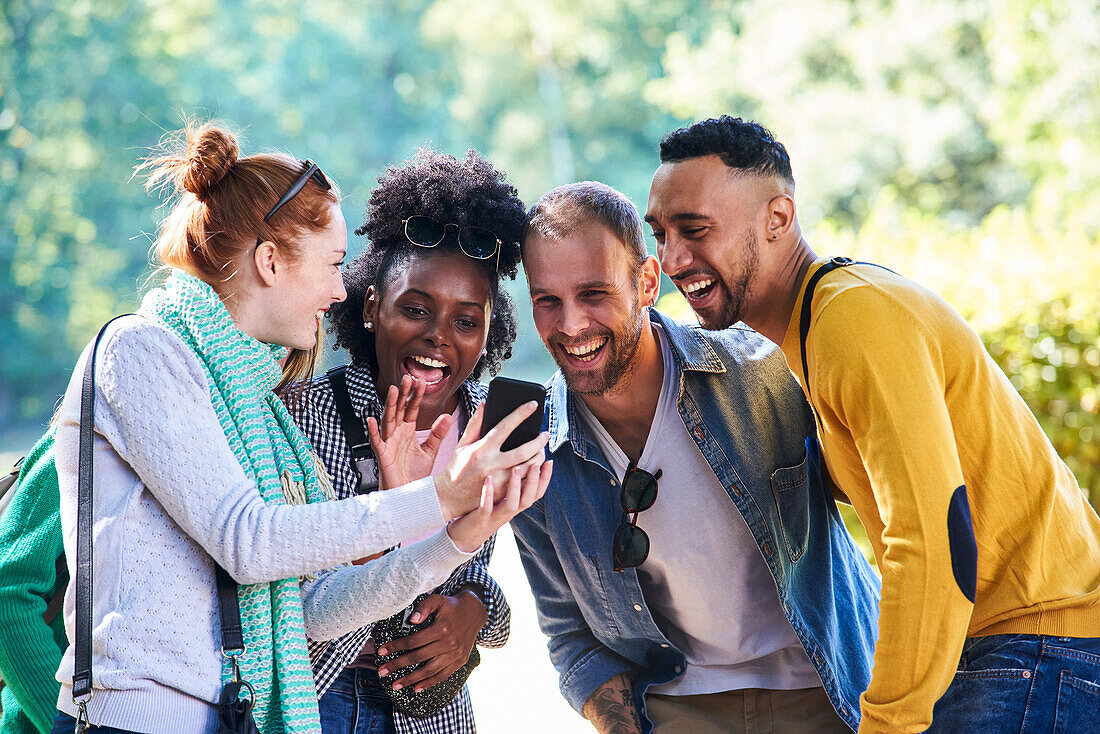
point(476, 574)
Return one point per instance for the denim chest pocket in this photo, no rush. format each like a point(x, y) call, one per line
point(586, 564)
point(791, 489)
point(590, 578)
point(597, 604)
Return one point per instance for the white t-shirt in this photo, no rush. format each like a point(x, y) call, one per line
point(705, 582)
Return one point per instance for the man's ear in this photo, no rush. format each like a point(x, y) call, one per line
point(267, 262)
point(781, 216)
point(649, 281)
point(370, 308)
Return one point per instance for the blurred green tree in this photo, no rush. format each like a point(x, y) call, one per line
point(956, 141)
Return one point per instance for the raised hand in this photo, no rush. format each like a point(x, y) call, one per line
point(401, 458)
point(526, 484)
point(461, 484)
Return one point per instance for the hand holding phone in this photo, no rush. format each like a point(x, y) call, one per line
point(507, 394)
point(492, 448)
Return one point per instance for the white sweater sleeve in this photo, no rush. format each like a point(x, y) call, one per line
point(351, 597)
point(153, 406)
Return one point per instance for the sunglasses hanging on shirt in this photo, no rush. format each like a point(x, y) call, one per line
point(639, 491)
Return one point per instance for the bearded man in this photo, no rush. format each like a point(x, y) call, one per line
point(989, 551)
point(733, 599)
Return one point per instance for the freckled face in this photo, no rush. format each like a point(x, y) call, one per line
point(431, 322)
point(312, 283)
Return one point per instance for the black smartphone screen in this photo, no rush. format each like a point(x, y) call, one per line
point(507, 394)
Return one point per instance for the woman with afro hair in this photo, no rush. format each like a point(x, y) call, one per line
point(424, 302)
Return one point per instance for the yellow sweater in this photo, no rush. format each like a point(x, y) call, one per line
point(912, 408)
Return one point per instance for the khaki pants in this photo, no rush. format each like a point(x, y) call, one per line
point(748, 711)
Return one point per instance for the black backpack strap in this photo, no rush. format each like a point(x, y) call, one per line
point(7, 482)
point(57, 601)
point(230, 611)
point(232, 638)
point(82, 652)
point(362, 455)
point(804, 317)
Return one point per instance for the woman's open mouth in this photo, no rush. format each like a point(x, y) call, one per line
point(429, 370)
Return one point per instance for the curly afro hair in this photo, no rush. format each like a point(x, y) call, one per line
point(467, 192)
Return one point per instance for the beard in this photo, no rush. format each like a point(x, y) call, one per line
point(731, 306)
point(620, 349)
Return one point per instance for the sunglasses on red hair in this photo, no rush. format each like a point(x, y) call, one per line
point(313, 171)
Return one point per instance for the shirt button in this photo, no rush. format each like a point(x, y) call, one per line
point(637, 607)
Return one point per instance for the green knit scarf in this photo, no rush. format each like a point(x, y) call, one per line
point(272, 451)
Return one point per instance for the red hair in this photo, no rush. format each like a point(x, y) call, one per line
point(219, 212)
point(222, 200)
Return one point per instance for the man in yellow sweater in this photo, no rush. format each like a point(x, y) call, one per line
point(989, 552)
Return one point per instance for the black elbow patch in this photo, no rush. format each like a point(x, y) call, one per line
point(964, 549)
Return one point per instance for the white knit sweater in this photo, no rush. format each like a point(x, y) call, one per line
point(170, 499)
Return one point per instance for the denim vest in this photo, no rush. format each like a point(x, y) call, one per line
point(749, 419)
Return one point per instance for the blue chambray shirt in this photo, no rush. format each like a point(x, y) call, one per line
point(749, 419)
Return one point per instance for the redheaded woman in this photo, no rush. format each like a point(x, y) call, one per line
point(198, 464)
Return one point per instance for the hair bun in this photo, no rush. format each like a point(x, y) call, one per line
point(211, 150)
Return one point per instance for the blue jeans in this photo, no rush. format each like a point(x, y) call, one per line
point(65, 724)
point(1023, 683)
point(356, 704)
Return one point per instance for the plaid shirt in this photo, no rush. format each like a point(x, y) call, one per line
point(316, 414)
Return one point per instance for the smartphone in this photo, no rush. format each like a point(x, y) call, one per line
point(507, 394)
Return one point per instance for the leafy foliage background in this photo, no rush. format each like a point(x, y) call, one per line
point(956, 141)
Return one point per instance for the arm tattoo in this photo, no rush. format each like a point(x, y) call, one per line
point(611, 709)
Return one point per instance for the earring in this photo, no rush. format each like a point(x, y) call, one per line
point(368, 325)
